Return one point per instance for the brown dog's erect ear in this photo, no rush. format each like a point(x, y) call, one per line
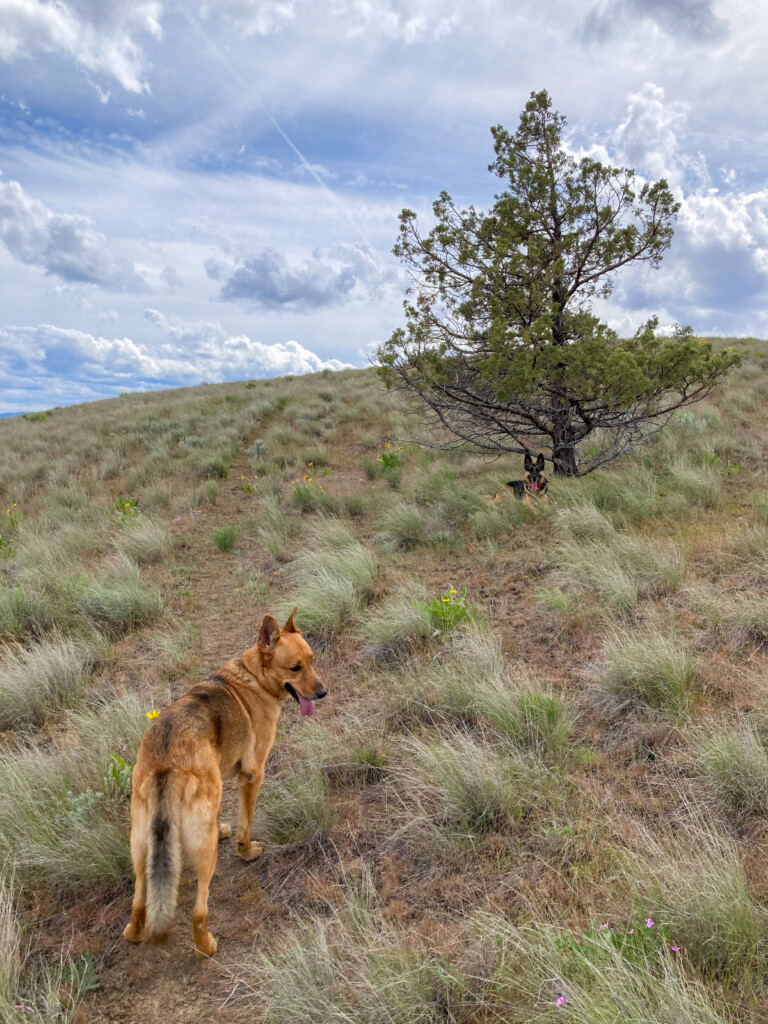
point(528, 463)
point(290, 626)
point(540, 462)
point(269, 633)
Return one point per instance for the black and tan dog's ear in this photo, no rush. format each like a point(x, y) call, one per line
point(269, 633)
point(290, 626)
point(540, 462)
point(528, 464)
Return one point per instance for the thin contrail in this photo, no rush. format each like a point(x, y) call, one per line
point(222, 57)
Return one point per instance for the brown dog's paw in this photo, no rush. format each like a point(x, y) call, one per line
point(225, 831)
point(249, 851)
point(207, 947)
point(134, 934)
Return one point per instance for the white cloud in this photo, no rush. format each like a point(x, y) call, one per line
point(405, 20)
point(331, 277)
point(717, 268)
point(99, 35)
point(62, 244)
point(96, 367)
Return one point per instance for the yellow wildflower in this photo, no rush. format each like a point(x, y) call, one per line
point(445, 600)
point(152, 713)
point(452, 591)
point(310, 463)
point(242, 477)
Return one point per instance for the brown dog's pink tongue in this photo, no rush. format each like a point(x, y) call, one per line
point(307, 706)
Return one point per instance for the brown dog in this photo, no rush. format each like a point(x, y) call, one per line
point(221, 728)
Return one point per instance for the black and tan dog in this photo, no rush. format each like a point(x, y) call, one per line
point(532, 490)
point(221, 728)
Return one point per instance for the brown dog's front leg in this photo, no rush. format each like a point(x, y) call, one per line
point(250, 784)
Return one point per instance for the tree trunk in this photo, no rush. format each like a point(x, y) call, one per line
point(563, 444)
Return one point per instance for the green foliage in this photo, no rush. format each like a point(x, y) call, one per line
point(448, 610)
point(126, 510)
point(224, 537)
point(500, 341)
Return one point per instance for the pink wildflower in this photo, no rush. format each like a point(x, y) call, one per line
point(649, 922)
point(631, 931)
point(560, 1001)
point(675, 949)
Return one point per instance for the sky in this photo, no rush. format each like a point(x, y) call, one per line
point(202, 191)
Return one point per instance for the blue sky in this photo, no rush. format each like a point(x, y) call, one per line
point(206, 191)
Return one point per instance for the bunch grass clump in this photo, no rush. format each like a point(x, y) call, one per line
point(620, 570)
point(653, 668)
point(63, 819)
point(144, 541)
point(696, 879)
point(465, 788)
point(40, 681)
point(334, 578)
point(401, 527)
point(735, 763)
point(296, 810)
point(117, 600)
point(397, 626)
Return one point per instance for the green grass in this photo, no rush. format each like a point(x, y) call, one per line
point(652, 668)
point(735, 763)
point(40, 681)
point(333, 579)
point(61, 821)
point(117, 600)
point(296, 810)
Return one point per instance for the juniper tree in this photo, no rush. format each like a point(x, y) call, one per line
point(500, 339)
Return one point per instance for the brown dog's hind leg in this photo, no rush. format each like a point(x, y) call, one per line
point(136, 929)
point(225, 831)
point(250, 784)
point(204, 863)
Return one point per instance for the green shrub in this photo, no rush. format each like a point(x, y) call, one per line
point(224, 537)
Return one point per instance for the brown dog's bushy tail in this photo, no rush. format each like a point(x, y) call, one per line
point(164, 855)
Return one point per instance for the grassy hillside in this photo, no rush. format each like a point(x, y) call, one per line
point(544, 797)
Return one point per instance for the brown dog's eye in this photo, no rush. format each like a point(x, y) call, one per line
point(296, 668)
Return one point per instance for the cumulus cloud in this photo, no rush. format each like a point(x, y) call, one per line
point(717, 268)
point(62, 244)
point(331, 277)
point(96, 367)
point(686, 19)
point(98, 35)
